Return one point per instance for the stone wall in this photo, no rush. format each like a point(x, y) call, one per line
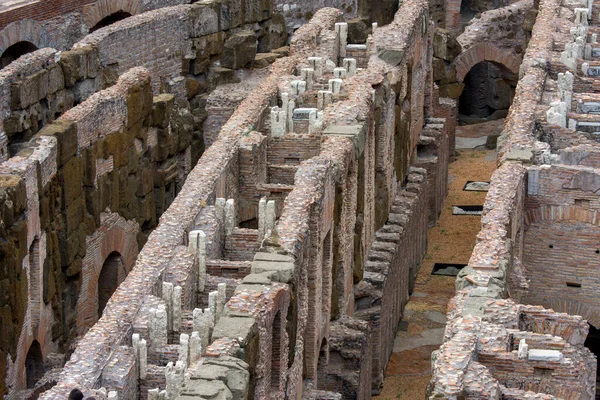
point(539, 204)
point(60, 24)
point(302, 242)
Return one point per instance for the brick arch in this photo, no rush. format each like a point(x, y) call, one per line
point(485, 51)
point(114, 235)
point(561, 213)
point(26, 30)
point(94, 13)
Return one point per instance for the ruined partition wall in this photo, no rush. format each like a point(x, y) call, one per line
point(95, 182)
point(125, 157)
point(541, 201)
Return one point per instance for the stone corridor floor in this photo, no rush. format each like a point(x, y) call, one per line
point(451, 241)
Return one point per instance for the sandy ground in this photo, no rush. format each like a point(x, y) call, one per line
point(450, 241)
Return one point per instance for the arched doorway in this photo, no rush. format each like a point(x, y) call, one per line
point(487, 94)
point(34, 364)
point(592, 342)
point(110, 19)
point(112, 274)
point(15, 51)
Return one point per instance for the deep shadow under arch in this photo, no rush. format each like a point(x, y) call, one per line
point(112, 274)
point(34, 364)
point(15, 51)
point(110, 19)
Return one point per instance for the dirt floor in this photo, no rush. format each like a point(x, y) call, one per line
point(451, 241)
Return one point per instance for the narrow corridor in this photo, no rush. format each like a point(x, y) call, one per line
point(451, 241)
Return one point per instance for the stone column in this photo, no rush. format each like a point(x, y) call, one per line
point(262, 214)
point(323, 99)
point(270, 216)
point(167, 296)
point(221, 296)
point(195, 347)
point(341, 28)
point(184, 348)
point(290, 115)
point(335, 85)
point(159, 324)
point(230, 217)
point(339, 73)
point(350, 65)
point(141, 354)
point(565, 88)
point(203, 324)
point(298, 87)
point(278, 120)
point(197, 246)
point(317, 64)
point(176, 305)
point(307, 75)
point(175, 376)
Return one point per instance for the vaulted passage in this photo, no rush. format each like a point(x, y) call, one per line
point(15, 51)
point(488, 93)
point(34, 364)
point(110, 19)
point(112, 274)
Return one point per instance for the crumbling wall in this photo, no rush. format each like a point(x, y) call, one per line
point(494, 346)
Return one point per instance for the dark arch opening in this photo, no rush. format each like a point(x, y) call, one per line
point(488, 93)
point(15, 51)
point(592, 342)
point(322, 378)
point(113, 272)
point(110, 19)
point(34, 364)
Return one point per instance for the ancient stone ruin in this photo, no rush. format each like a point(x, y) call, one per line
point(231, 199)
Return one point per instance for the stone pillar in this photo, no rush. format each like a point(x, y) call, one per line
point(335, 85)
point(350, 65)
point(158, 324)
point(290, 115)
point(341, 28)
point(339, 73)
point(565, 88)
point(262, 214)
point(212, 304)
point(203, 323)
point(221, 296)
point(298, 87)
point(195, 347)
point(184, 348)
point(315, 121)
point(523, 350)
point(270, 216)
point(140, 350)
point(557, 114)
point(323, 99)
point(176, 304)
point(230, 218)
point(167, 296)
point(220, 209)
point(581, 16)
point(197, 246)
point(317, 64)
point(175, 376)
point(278, 120)
point(285, 99)
point(307, 75)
